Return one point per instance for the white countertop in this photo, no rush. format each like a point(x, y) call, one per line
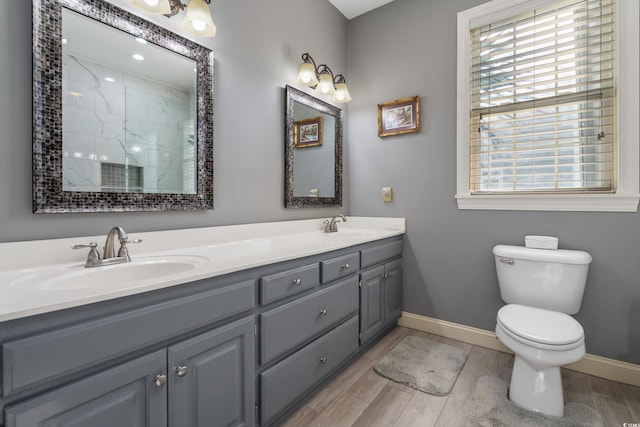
point(26, 268)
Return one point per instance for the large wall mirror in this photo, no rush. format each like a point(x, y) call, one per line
point(313, 151)
point(122, 112)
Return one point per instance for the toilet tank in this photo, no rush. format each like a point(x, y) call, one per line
point(543, 278)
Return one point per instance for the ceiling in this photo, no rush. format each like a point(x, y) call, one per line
point(352, 8)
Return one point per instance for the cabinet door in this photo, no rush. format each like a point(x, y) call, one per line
point(123, 396)
point(212, 379)
point(371, 302)
point(393, 291)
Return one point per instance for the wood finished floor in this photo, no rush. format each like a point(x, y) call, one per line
point(359, 397)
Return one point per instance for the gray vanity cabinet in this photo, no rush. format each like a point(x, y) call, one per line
point(392, 291)
point(123, 396)
point(371, 303)
point(211, 378)
point(205, 381)
point(380, 289)
point(244, 349)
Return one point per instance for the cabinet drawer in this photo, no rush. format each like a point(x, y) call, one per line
point(285, 382)
point(286, 327)
point(42, 357)
point(380, 253)
point(280, 285)
point(339, 267)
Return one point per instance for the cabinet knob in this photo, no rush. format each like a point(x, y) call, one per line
point(323, 312)
point(181, 370)
point(323, 360)
point(297, 282)
point(345, 266)
point(160, 380)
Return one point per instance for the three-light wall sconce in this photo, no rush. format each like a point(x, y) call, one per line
point(322, 78)
point(197, 20)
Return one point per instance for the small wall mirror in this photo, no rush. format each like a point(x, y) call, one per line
point(313, 151)
point(122, 112)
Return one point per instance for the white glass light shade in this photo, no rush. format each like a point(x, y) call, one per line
point(325, 85)
point(156, 7)
point(307, 75)
point(342, 93)
point(197, 20)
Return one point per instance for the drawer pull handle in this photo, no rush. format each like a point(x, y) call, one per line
point(297, 282)
point(181, 370)
point(323, 312)
point(345, 266)
point(160, 380)
point(323, 360)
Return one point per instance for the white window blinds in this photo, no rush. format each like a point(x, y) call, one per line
point(542, 101)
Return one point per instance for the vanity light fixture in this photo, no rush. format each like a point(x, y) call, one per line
point(322, 78)
point(197, 20)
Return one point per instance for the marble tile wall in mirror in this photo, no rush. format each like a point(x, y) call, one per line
point(128, 125)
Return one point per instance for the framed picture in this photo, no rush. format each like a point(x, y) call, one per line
point(307, 132)
point(399, 116)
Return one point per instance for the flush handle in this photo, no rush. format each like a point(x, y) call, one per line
point(509, 261)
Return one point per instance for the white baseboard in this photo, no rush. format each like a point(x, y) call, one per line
point(598, 366)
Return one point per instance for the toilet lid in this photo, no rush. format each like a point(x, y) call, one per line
point(539, 325)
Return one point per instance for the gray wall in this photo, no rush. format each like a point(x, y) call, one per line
point(408, 48)
point(257, 51)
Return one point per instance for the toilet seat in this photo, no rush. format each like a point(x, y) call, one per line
point(540, 328)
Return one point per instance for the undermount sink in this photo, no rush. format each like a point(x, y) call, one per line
point(140, 269)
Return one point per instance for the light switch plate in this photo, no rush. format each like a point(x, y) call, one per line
point(387, 194)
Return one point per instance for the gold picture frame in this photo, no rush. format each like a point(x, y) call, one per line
point(307, 132)
point(399, 117)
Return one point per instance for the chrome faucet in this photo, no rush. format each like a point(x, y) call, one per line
point(331, 226)
point(109, 250)
point(109, 256)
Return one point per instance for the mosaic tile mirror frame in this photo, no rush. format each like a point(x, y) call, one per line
point(313, 172)
point(55, 188)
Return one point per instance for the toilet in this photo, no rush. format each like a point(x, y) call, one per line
point(542, 288)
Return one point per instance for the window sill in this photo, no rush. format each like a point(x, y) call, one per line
point(551, 202)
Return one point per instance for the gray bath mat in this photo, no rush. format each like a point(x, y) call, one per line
point(489, 406)
point(423, 364)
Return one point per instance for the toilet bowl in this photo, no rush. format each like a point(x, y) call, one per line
point(543, 341)
point(542, 288)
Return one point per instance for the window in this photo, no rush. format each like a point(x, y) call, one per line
point(537, 103)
